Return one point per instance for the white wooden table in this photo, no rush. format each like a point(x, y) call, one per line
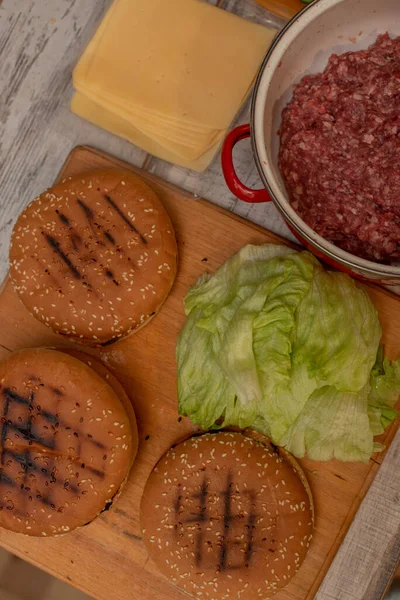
point(40, 42)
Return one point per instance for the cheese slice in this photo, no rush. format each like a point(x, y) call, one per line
point(151, 127)
point(182, 58)
point(183, 148)
point(183, 124)
point(90, 111)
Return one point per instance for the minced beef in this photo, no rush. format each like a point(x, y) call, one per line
point(340, 151)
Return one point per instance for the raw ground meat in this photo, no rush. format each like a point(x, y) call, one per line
point(340, 151)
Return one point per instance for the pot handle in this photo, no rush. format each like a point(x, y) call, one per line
point(233, 182)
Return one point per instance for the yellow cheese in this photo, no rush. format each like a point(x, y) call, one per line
point(183, 148)
point(90, 111)
point(182, 58)
point(151, 127)
point(180, 125)
point(169, 75)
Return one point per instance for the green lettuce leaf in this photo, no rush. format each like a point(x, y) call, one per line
point(215, 346)
point(385, 390)
point(274, 342)
point(338, 332)
point(203, 391)
point(333, 424)
point(273, 329)
point(240, 271)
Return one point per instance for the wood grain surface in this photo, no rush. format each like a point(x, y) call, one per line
point(284, 8)
point(40, 43)
point(107, 559)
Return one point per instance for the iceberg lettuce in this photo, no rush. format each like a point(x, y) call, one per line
point(274, 342)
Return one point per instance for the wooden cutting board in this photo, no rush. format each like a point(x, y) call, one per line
point(284, 8)
point(107, 559)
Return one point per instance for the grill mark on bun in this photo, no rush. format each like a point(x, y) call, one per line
point(110, 238)
point(7, 480)
point(251, 527)
point(177, 503)
point(71, 486)
point(224, 515)
point(94, 442)
point(24, 459)
point(55, 245)
point(57, 391)
point(86, 209)
point(110, 275)
point(228, 519)
point(75, 240)
point(27, 431)
point(91, 216)
point(200, 517)
point(14, 397)
point(227, 495)
point(124, 218)
point(31, 437)
point(97, 472)
point(50, 417)
point(54, 474)
point(63, 218)
point(6, 423)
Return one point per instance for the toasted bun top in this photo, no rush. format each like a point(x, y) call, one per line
point(225, 516)
point(66, 443)
point(95, 256)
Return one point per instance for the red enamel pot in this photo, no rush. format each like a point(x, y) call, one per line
point(304, 46)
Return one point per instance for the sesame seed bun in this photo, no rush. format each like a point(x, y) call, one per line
point(226, 516)
point(66, 441)
point(94, 257)
point(113, 382)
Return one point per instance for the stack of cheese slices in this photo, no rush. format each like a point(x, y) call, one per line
point(169, 76)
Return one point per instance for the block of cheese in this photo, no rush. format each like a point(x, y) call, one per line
point(175, 71)
point(90, 111)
